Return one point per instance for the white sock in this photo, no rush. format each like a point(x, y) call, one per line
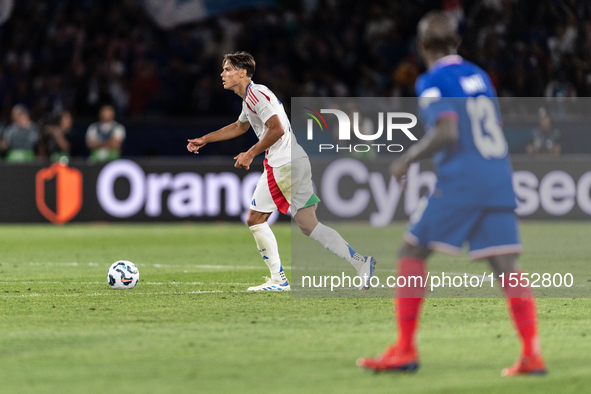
point(333, 241)
point(267, 244)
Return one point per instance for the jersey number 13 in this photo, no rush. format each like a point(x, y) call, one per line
point(487, 133)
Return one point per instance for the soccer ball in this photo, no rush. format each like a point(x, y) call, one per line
point(123, 274)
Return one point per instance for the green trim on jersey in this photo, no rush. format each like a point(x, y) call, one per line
point(311, 201)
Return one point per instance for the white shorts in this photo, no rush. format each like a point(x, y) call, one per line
point(283, 187)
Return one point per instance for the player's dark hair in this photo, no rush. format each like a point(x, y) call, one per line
point(22, 108)
point(438, 32)
point(241, 60)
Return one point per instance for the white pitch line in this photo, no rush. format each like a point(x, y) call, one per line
point(128, 293)
point(193, 283)
point(166, 283)
point(37, 295)
point(30, 282)
point(20, 295)
point(142, 283)
point(231, 267)
point(201, 266)
point(158, 293)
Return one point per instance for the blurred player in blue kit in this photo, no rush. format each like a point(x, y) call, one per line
point(473, 200)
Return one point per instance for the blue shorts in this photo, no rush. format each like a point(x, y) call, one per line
point(444, 226)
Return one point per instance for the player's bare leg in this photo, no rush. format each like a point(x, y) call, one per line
point(522, 308)
point(403, 355)
point(267, 245)
point(332, 240)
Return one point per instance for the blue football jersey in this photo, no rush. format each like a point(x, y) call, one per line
point(476, 169)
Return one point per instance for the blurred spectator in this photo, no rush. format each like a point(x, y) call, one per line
point(58, 138)
point(560, 87)
point(563, 42)
point(105, 137)
point(20, 138)
point(405, 76)
point(144, 90)
point(546, 138)
point(76, 55)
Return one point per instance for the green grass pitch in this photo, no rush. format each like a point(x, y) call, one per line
point(189, 326)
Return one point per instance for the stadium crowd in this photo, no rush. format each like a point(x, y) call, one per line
point(78, 55)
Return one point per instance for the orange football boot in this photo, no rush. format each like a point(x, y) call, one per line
point(526, 366)
point(393, 359)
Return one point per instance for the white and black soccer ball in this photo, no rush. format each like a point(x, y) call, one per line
point(123, 274)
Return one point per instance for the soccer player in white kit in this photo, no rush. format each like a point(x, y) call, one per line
point(287, 179)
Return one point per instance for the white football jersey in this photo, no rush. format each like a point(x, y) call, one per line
point(260, 104)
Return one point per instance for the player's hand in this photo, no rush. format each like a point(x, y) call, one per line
point(399, 169)
point(243, 160)
point(194, 145)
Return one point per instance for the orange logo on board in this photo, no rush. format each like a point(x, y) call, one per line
point(68, 192)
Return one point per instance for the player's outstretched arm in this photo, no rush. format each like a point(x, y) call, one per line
point(445, 132)
point(274, 133)
point(226, 133)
